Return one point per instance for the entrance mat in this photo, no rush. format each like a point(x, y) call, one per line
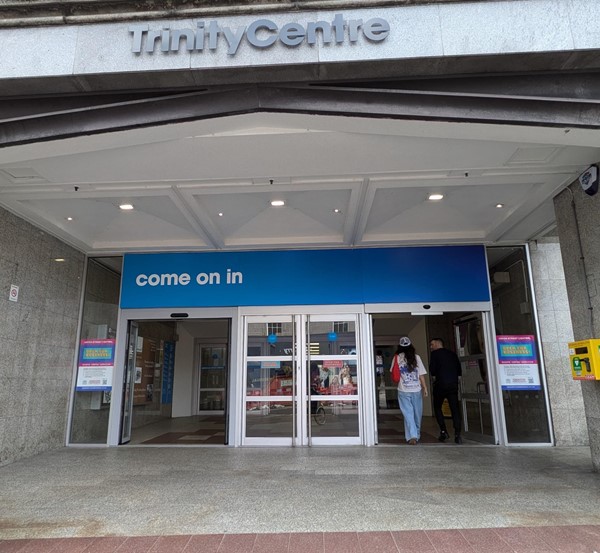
point(390, 429)
point(188, 438)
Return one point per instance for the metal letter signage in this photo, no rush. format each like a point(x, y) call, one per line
point(262, 33)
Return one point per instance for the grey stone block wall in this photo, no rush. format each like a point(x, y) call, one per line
point(577, 217)
point(566, 399)
point(37, 337)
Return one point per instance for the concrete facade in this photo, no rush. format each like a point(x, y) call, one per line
point(37, 337)
point(577, 216)
point(424, 39)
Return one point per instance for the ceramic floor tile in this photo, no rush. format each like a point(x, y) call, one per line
point(170, 544)
point(561, 539)
point(105, 545)
point(12, 546)
point(137, 545)
point(340, 542)
point(208, 543)
point(413, 541)
point(40, 546)
point(377, 542)
point(237, 543)
point(271, 543)
point(484, 540)
point(74, 545)
point(523, 540)
point(310, 542)
point(449, 541)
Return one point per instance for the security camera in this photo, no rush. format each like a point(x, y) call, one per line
point(589, 180)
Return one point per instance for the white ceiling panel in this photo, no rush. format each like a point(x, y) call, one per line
point(377, 173)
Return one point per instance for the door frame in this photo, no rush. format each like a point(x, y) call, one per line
point(162, 314)
point(300, 399)
point(485, 308)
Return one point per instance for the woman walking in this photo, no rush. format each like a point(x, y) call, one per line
point(410, 387)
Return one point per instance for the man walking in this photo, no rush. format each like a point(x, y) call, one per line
point(445, 367)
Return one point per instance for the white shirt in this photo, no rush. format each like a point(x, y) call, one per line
point(410, 381)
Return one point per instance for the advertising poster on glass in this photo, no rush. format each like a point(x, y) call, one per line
point(95, 366)
point(518, 363)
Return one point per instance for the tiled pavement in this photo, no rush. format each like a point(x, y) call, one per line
point(430, 499)
point(550, 539)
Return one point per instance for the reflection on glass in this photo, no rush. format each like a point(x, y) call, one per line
point(270, 378)
point(270, 339)
point(332, 338)
point(334, 418)
point(269, 419)
point(333, 377)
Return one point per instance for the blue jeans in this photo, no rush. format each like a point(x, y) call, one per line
point(411, 405)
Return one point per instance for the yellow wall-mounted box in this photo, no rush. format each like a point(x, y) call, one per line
point(585, 359)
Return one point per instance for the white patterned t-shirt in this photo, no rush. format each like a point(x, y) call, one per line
point(409, 381)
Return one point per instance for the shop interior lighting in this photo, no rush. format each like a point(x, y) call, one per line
point(499, 206)
point(221, 214)
point(277, 203)
point(435, 197)
point(69, 218)
point(337, 210)
point(59, 259)
point(126, 207)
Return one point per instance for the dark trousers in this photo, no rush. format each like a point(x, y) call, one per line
point(440, 393)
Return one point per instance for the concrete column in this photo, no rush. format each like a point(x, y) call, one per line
point(577, 216)
point(556, 331)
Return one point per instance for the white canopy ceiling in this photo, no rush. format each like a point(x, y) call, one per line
point(208, 184)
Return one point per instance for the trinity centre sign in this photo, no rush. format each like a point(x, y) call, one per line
point(261, 33)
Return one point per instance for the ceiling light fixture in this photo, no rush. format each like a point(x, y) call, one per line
point(499, 206)
point(337, 211)
point(69, 218)
point(277, 203)
point(435, 197)
point(220, 214)
point(126, 207)
point(59, 259)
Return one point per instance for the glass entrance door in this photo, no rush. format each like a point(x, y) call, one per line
point(302, 380)
point(475, 384)
point(132, 337)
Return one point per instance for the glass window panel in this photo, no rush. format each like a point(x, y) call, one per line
point(334, 419)
point(263, 342)
point(270, 378)
point(89, 424)
point(212, 400)
point(269, 419)
point(326, 341)
point(525, 411)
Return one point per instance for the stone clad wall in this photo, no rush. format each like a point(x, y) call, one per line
point(577, 220)
point(37, 337)
point(556, 331)
point(39, 12)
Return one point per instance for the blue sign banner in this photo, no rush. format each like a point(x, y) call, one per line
point(305, 277)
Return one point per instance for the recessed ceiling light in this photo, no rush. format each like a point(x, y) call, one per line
point(221, 214)
point(59, 259)
point(69, 218)
point(126, 207)
point(435, 197)
point(337, 210)
point(277, 203)
point(499, 206)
